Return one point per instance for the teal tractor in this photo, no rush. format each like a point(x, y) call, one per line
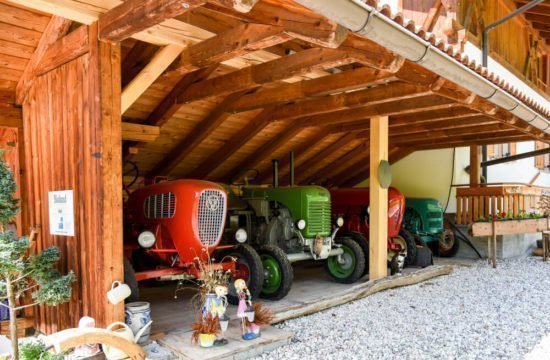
point(286, 225)
point(424, 218)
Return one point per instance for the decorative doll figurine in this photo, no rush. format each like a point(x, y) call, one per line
point(245, 310)
point(218, 307)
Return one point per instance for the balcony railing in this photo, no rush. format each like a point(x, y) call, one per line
point(474, 203)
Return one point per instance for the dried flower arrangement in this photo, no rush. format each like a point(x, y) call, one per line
point(205, 325)
point(263, 315)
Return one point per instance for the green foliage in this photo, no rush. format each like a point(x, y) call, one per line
point(33, 350)
point(523, 215)
point(8, 205)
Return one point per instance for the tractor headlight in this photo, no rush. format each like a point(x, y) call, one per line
point(340, 221)
point(241, 236)
point(301, 224)
point(146, 239)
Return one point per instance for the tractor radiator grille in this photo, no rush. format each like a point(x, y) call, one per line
point(211, 216)
point(160, 206)
point(319, 217)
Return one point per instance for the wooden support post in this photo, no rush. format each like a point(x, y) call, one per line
point(378, 229)
point(474, 166)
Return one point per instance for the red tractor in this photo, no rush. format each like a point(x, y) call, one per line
point(170, 224)
point(353, 205)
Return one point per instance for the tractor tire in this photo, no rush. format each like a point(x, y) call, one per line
point(130, 280)
point(278, 272)
point(352, 268)
point(448, 244)
point(419, 241)
point(410, 259)
point(363, 242)
point(247, 260)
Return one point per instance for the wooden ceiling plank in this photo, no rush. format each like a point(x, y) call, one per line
point(263, 152)
point(253, 127)
point(324, 174)
point(235, 42)
point(466, 136)
point(15, 49)
point(300, 22)
point(345, 81)
point(231, 43)
point(253, 76)
point(134, 16)
point(462, 143)
point(284, 163)
point(139, 132)
point(11, 117)
point(318, 157)
point(23, 18)
point(404, 106)
point(200, 132)
point(357, 99)
point(56, 28)
point(139, 84)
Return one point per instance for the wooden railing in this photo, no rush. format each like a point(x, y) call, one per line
point(474, 203)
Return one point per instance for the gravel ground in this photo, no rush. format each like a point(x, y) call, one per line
point(474, 313)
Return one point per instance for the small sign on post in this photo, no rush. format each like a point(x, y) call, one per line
point(61, 212)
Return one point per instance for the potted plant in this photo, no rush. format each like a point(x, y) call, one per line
point(23, 273)
point(205, 330)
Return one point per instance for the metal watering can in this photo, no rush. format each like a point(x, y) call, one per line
point(122, 330)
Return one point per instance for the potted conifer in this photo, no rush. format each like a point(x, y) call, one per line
point(23, 273)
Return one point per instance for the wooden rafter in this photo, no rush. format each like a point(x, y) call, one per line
point(466, 137)
point(134, 16)
point(135, 60)
point(264, 151)
point(142, 81)
point(253, 127)
point(139, 132)
point(299, 152)
point(215, 118)
point(56, 28)
point(345, 81)
point(314, 161)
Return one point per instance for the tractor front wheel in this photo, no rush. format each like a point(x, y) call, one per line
point(249, 268)
point(348, 267)
point(408, 246)
point(278, 272)
point(448, 244)
point(130, 280)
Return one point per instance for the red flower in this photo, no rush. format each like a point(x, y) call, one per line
point(495, 218)
point(504, 214)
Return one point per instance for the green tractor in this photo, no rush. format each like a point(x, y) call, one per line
point(424, 219)
point(286, 225)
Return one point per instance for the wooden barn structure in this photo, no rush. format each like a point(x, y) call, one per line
point(210, 89)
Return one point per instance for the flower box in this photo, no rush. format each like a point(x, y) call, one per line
point(509, 227)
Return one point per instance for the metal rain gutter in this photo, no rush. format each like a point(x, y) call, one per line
point(365, 20)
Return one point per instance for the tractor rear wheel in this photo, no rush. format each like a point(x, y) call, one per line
point(406, 239)
point(363, 242)
point(448, 244)
point(278, 272)
point(348, 267)
point(249, 268)
point(131, 281)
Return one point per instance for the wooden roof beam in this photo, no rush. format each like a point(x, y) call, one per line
point(319, 156)
point(214, 119)
point(465, 136)
point(284, 163)
point(299, 21)
point(139, 132)
point(342, 163)
point(345, 81)
point(134, 16)
point(253, 127)
point(135, 60)
point(56, 28)
point(142, 81)
point(244, 79)
point(463, 143)
point(403, 106)
point(263, 152)
point(392, 92)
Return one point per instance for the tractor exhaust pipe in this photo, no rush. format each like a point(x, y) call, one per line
point(275, 173)
point(291, 165)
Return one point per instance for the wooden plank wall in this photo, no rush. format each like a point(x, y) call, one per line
point(73, 138)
